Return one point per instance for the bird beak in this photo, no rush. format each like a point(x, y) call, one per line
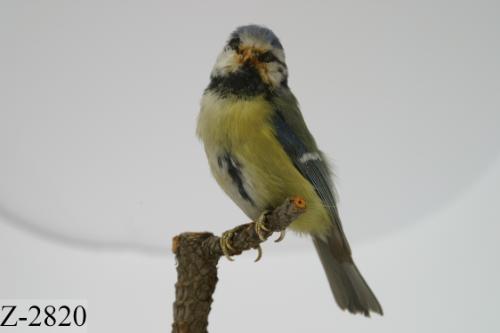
point(246, 55)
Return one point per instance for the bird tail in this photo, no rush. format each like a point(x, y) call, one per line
point(349, 288)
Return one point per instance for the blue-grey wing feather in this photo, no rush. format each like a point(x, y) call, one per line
point(310, 162)
point(346, 282)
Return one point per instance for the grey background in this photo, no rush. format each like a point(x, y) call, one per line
point(100, 166)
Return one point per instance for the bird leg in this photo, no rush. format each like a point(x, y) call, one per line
point(225, 244)
point(261, 230)
point(260, 225)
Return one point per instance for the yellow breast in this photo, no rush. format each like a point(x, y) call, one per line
point(230, 121)
point(243, 128)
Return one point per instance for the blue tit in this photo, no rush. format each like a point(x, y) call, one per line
point(261, 152)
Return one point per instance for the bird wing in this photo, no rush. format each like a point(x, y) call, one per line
point(292, 133)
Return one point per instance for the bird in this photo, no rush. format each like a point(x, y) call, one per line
point(261, 152)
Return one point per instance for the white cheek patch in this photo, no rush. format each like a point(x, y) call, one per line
point(306, 157)
point(227, 62)
point(279, 54)
point(275, 73)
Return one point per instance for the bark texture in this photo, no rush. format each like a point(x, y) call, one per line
point(197, 255)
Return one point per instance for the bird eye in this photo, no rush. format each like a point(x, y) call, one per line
point(267, 57)
point(234, 43)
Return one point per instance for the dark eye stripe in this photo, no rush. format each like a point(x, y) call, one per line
point(234, 43)
point(267, 57)
point(270, 57)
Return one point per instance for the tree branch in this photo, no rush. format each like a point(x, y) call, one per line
point(197, 255)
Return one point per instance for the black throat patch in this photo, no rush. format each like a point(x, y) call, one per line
point(244, 83)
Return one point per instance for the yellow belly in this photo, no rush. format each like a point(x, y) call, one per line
point(243, 128)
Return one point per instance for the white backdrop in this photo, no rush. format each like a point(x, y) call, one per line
point(100, 166)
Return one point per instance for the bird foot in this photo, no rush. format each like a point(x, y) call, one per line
point(260, 229)
point(225, 244)
point(260, 226)
point(227, 248)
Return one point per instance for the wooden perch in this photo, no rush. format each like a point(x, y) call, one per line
point(197, 255)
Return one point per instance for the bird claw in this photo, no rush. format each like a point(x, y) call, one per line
point(225, 244)
point(259, 253)
point(260, 227)
point(281, 237)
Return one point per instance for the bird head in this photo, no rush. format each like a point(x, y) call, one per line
point(252, 53)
